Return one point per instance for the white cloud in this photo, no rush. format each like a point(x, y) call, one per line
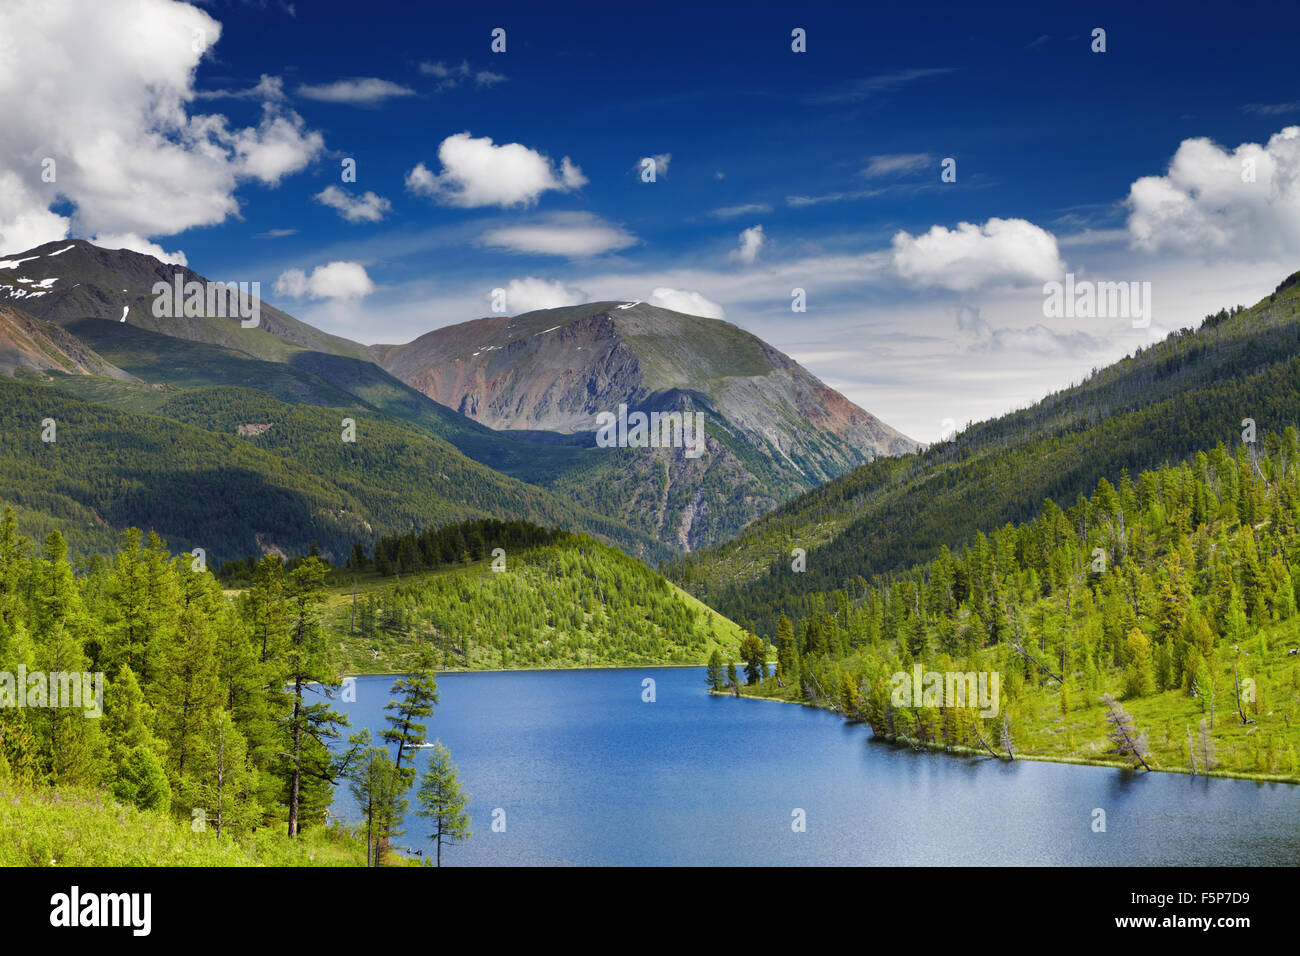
point(362, 90)
point(530, 294)
point(268, 88)
point(476, 172)
point(366, 208)
point(1001, 252)
point(103, 89)
point(751, 243)
point(337, 280)
point(452, 76)
point(890, 164)
point(140, 244)
point(681, 300)
point(1203, 206)
point(573, 234)
point(874, 86)
point(1036, 339)
point(660, 160)
point(748, 209)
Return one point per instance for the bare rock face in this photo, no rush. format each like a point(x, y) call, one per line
point(27, 342)
point(773, 428)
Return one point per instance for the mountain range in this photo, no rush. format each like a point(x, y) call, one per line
point(513, 419)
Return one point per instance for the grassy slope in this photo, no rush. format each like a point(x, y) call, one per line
point(66, 826)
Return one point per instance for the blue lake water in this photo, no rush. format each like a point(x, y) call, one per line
point(590, 774)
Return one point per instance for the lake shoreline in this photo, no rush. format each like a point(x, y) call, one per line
point(961, 751)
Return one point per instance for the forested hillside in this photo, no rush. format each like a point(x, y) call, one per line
point(545, 598)
point(235, 472)
point(1160, 405)
point(1175, 591)
point(219, 701)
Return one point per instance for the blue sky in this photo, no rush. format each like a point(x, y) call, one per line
point(818, 170)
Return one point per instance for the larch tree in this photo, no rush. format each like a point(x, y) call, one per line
point(442, 802)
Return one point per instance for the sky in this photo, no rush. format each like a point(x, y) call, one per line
point(921, 172)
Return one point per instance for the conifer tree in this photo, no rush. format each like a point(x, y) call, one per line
point(442, 802)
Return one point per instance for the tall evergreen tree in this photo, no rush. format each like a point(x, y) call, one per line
point(442, 802)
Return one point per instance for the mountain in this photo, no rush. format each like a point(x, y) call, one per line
point(79, 280)
point(772, 428)
point(1165, 402)
point(237, 472)
point(27, 342)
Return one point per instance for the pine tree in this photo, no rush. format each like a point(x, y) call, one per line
point(416, 696)
point(186, 682)
point(753, 651)
point(377, 788)
point(309, 767)
point(442, 802)
point(141, 781)
point(713, 674)
point(786, 651)
point(221, 782)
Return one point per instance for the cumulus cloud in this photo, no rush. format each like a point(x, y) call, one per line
point(102, 90)
point(573, 234)
point(1206, 204)
point(894, 163)
point(751, 243)
point(1000, 252)
point(530, 294)
point(477, 172)
point(337, 280)
point(368, 207)
point(681, 300)
point(361, 91)
point(140, 244)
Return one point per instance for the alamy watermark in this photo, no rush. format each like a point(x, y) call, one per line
point(79, 689)
point(923, 688)
point(224, 300)
point(1085, 299)
point(656, 430)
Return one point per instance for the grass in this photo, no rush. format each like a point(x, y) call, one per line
point(1043, 732)
point(69, 826)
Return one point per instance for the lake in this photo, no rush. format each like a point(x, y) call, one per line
point(590, 774)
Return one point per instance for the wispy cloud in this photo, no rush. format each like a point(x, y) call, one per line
point(360, 91)
point(891, 164)
point(451, 76)
point(1272, 109)
point(748, 209)
point(577, 235)
point(268, 89)
point(873, 86)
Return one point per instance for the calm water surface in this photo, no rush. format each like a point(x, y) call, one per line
point(588, 773)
